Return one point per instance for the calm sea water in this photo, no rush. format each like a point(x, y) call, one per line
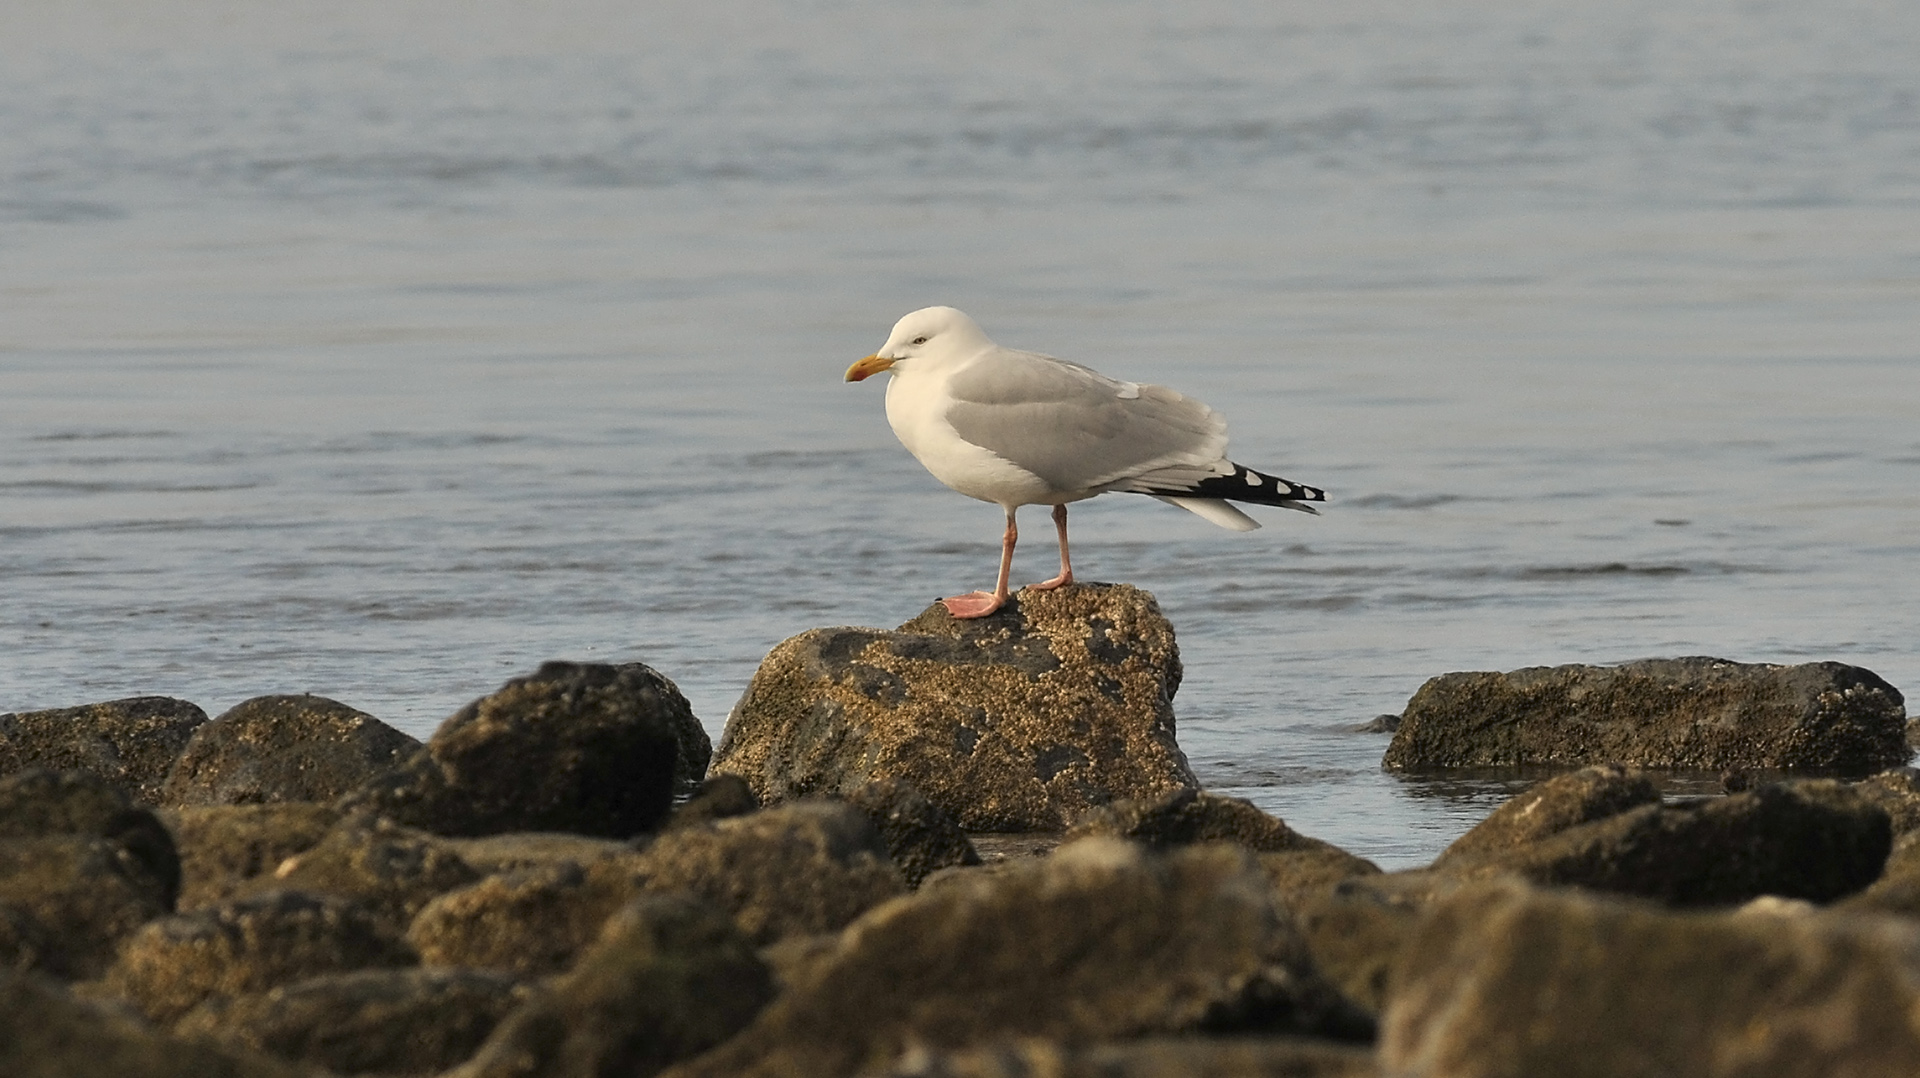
point(384, 350)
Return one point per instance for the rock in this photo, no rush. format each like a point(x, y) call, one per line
point(1897, 891)
point(1020, 721)
point(717, 798)
point(1297, 876)
point(1183, 817)
point(130, 743)
point(1812, 839)
point(1694, 713)
point(1897, 792)
point(669, 978)
point(515, 850)
point(1103, 940)
point(283, 748)
point(24, 945)
point(1379, 724)
point(920, 838)
point(1165, 1057)
point(37, 802)
point(249, 945)
point(811, 866)
point(391, 870)
point(530, 922)
point(369, 1022)
point(224, 848)
point(1550, 807)
point(47, 1033)
point(1508, 982)
point(581, 747)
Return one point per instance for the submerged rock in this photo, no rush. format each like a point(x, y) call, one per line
point(584, 747)
point(283, 748)
point(131, 743)
point(1020, 721)
point(1509, 982)
point(369, 1022)
point(1103, 940)
point(1693, 713)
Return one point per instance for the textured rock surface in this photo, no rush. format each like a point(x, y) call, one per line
point(811, 866)
point(1020, 721)
point(1813, 839)
point(1186, 1057)
point(283, 748)
point(921, 839)
point(386, 1022)
point(225, 847)
point(130, 743)
point(390, 870)
point(530, 922)
point(589, 748)
point(46, 1033)
point(668, 978)
point(715, 799)
point(1554, 805)
point(1103, 940)
point(1184, 817)
point(1506, 982)
point(250, 945)
point(1700, 713)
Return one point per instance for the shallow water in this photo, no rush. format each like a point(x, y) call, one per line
point(386, 350)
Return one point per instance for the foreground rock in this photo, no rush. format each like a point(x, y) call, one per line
point(589, 748)
point(130, 743)
point(1020, 721)
point(225, 848)
point(921, 839)
point(529, 922)
point(1102, 940)
point(387, 869)
point(1508, 982)
point(1185, 1057)
point(1693, 713)
point(385, 1022)
point(668, 978)
point(1550, 807)
point(46, 1033)
point(283, 748)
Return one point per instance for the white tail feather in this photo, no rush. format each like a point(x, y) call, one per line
point(1213, 509)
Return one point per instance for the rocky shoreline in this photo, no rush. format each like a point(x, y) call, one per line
point(955, 850)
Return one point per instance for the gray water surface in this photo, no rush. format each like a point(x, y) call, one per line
point(384, 350)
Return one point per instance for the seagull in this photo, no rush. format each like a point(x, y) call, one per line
point(1019, 428)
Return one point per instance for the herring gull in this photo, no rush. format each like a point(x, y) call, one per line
point(1019, 428)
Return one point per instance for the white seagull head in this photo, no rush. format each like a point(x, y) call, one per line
point(936, 332)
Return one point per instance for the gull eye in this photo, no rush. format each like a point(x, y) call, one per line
point(919, 340)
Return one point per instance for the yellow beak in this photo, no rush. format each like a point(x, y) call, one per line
point(867, 368)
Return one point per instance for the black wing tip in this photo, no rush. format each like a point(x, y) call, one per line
point(1259, 488)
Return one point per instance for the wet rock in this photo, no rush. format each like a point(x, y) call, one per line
point(1698, 713)
point(1550, 807)
point(1379, 724)
point(130, 743)
point(391, 870)
point(515, 850)
point(1103, 940)
point(1020, 721)
point(1897, 891)
point(530, 922)
point(226, 848)
point(47, 1033)
point(369, 1022)
point(41, 803)
point(1356, 928)
point(283, 748)
point(811, 866)
point(1813, 839)
point(24, 945)
point(920, 838)
point(669, 978)
point(1297, 876)
point(1184, 817)
point(1509, 982)
point(717, 798)
point(1166, 1057)
point(583, 747)
point(1897, 792)
point(249, 945)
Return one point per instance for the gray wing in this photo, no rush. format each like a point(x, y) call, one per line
point(1079, 430)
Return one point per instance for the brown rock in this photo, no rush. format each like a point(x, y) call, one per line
point(1103, 940)
point(716, 799)
point(1897, 792)
point(1507, 982)
point(811, 866)
point(130, 743)
point(283, 748)
point(391, 870)
point(173, 964)
point(369, 1022)
point(530, 922)
point(1020, 721)
point(224, 848)
point(74, 898)
point(511, 851)
point(1184, 817)
point(1164, 1057)
point(1694, 713)
point(920, 838)
point(1550, 807)
point(669, 978)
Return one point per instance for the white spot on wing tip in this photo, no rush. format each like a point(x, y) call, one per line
point(1253, 478)
point(1129, 391)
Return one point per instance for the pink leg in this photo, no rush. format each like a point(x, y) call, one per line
point(978, 604)
point(1066, 564)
